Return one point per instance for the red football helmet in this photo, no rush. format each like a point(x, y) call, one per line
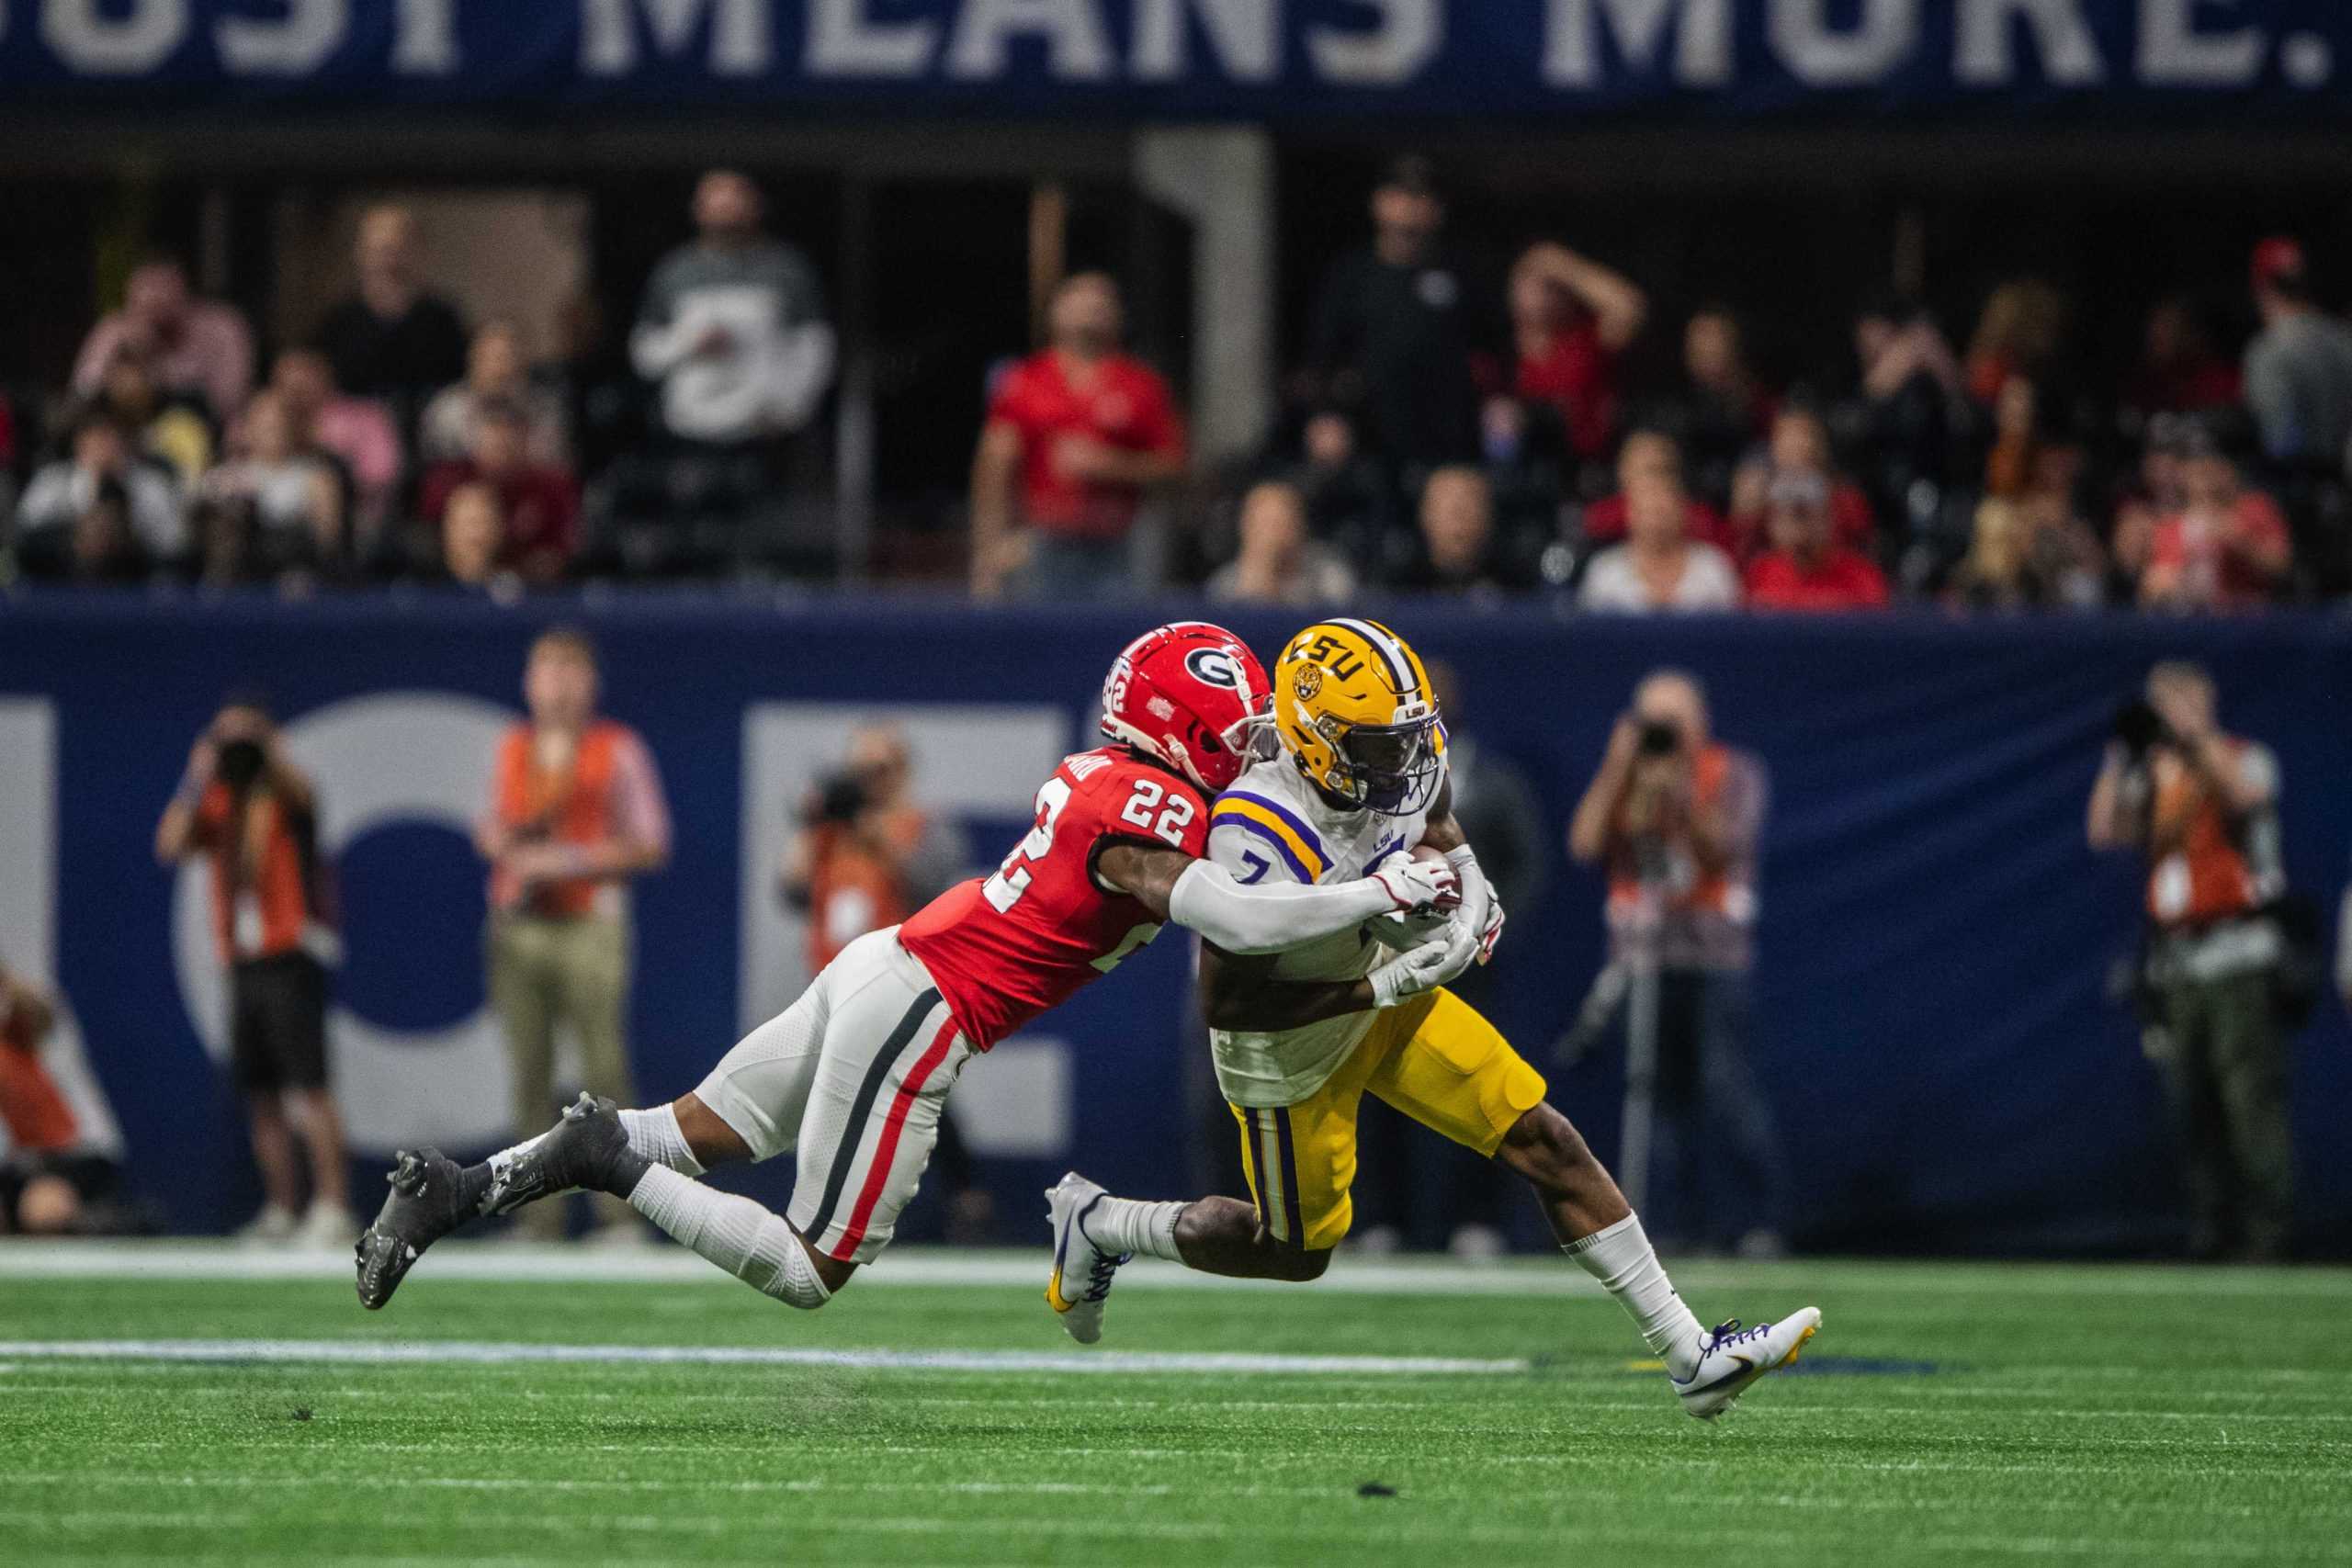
point(1194, 696)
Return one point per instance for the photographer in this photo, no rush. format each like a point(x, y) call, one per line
point(2201, 805)
point(255, 815)
point(865, 856)
point(1673, 817)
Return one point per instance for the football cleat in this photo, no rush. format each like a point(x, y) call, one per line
point(1732, 1358)
point(423, 1207)
point(1081, 1281)
point(586, 1147)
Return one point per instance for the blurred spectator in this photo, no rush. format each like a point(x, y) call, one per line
point(1659, 566)
point(1911, 397)
point(2226, 549)
point(866, 854)
point(96, 547)
point(1721, 409)
point(1674, 818)
point(2034, 551)
point(2298, 367)
point(541, 504)
point(1652, 454)
point(2179, 370)
point(2153, 492)
point(1396, 327)
point(2017, 436)
point(1571, 318)
point(733, 326)
point(1349, 502)
point(174, 430)
point(99, 451)
point(298, 495)
point(357, 432)
point(1799, 448)
point(391, 338)
point(473, 543)
point(53, 1180)
point(2202, 807)
point(1457, 537)
point(1075, 434)
point(1805, 567)
point(2018, 333)
point(497, 372)
point(197, 347)
point(575, 814)
point(254, 817)
point(1278, 562)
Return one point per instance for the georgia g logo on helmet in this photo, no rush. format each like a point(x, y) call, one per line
point(1215, 667)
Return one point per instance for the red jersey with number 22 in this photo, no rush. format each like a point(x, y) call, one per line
point(1004, 948)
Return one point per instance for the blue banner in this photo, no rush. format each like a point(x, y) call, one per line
point(2144, 61)
point(1934, 940)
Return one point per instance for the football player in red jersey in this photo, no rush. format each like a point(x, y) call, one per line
point(853, 1076)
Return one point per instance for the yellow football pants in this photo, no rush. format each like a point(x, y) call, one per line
point(1435, 1059)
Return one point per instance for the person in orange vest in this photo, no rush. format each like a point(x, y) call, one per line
point(576, 812)
point(254, 817)
point(1672, 818)
point(2202, 807)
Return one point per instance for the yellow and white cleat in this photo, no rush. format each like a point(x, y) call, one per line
point(1081, 1281)
point(1732, 1358)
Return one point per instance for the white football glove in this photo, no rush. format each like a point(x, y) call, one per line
point(1427, 967)
point(1418, 885)
point(1492, 931)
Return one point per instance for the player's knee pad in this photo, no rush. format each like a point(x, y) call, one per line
point(794, 1279)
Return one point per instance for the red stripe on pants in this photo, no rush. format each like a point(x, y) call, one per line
point(886, 1149)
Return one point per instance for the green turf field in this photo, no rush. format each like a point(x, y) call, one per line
point(1947, 1415)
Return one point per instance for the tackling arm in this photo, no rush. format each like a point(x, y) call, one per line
point(1203, 897)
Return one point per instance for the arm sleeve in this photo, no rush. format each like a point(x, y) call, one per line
point(1268, 917)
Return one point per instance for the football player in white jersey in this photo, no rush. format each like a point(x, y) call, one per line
point(1300, 1036)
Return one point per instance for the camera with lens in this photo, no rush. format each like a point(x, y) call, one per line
point(2141, 727)
point(1659, 737)
point(240, 763)
point(840, 799)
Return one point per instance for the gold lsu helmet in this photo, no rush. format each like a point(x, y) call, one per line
point(1353, 708)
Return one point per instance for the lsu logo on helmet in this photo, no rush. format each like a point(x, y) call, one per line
point(1356, 713)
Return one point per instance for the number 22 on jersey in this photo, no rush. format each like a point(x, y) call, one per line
point(1148, 807)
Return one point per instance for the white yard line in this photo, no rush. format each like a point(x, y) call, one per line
point(660, 1263)
point(482, 1353)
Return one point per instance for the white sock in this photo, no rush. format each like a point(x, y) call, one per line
point(1620, 1258)
point(748, 1241)
point(655, 1135)
point(1130, 1225)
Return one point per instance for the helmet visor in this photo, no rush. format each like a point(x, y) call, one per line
point(1395, 766)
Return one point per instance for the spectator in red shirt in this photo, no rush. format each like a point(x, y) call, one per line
point(1571, 318)
point(1076, 435)
point(2226, 549)
point(1800, 446)
point(1806, 567)
point(1652, 455)
point(541, 502)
